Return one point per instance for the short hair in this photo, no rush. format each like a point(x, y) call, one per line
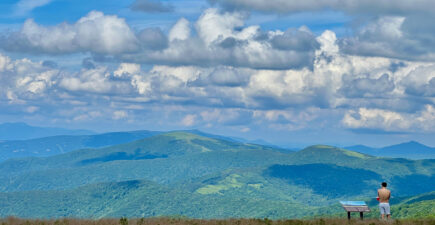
point(384, 184)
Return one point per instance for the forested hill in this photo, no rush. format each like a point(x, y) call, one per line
point(181, 173)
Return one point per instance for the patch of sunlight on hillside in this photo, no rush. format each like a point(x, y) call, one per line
point(256, 186)
point(354, 154)
point(188, 137)
point(345, 151)
point(225, 184)
point(323, 146)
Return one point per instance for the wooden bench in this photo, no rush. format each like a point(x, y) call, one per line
point(355, 206)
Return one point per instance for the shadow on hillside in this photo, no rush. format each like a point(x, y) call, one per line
point(328, 180)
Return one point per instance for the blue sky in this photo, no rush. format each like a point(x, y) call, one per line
point(291, 73)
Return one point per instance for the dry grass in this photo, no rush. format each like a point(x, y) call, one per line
point(176, 221)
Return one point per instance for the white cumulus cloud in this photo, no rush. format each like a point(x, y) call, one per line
point(96, 32)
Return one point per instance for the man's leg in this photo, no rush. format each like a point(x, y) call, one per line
point(382, 211)
point(387, 211)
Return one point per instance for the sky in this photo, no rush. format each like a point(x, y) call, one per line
point(292, 73)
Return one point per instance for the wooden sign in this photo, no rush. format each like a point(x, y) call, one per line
point(355, 206)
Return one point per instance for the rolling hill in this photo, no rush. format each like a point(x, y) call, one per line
point(138, 199)
point(181, 173)
point(164, 158)
point(230, 197)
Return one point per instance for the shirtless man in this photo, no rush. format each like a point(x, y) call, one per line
point(384, 197)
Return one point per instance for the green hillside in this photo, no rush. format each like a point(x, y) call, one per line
point(165, 158)
point(227, 198)
point(181, 173)
point(139, 199)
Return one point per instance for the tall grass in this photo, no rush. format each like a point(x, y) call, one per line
point(181, 221)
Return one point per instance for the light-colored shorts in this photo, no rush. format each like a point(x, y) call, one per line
point(384, 208)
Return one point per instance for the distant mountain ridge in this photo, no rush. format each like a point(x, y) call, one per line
point(23, 131)
point(53, 145)
point(410, 150)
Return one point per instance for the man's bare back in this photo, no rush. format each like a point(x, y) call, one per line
point(384, 195)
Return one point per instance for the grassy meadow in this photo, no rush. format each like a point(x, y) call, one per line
point(183, 221)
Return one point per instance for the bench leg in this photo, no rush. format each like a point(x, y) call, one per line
point(361, 215)
point(348, 215)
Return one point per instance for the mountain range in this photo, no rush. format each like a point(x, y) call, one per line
point(410, 150)
point(53, 145)
point(187, 174)
point(23, 131)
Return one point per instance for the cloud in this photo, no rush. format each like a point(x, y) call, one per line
point(223, 76)
point(375, 119)
point(217, 39)
point(188, 120)
point(23, 79)
point(298, 40)
point(151, 6)
point(390, 121)
point(180, 31)
point(420, 82)
point(222, 39)
point(32, 109)
point(96, 32)
point(127, 69)
point(395, 29)
point(25, 6)
point(228, 117)
point(349, 6)
point(117, 115)
point(367, 87)
point(98, 80)
point(394, 37)
point(218, 71)
point(153, 39)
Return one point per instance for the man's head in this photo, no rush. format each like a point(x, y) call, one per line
point(384, 184)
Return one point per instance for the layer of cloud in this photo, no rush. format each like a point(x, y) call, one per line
point(214, 39)
point(95, 32)
point(151, 6)
point(350, 6)
point(217, 70)
point(395, 29)
point(222, 39)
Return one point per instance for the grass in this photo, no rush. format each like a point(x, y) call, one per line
point(355, 154)
point(185, 221)
point(228, 183)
